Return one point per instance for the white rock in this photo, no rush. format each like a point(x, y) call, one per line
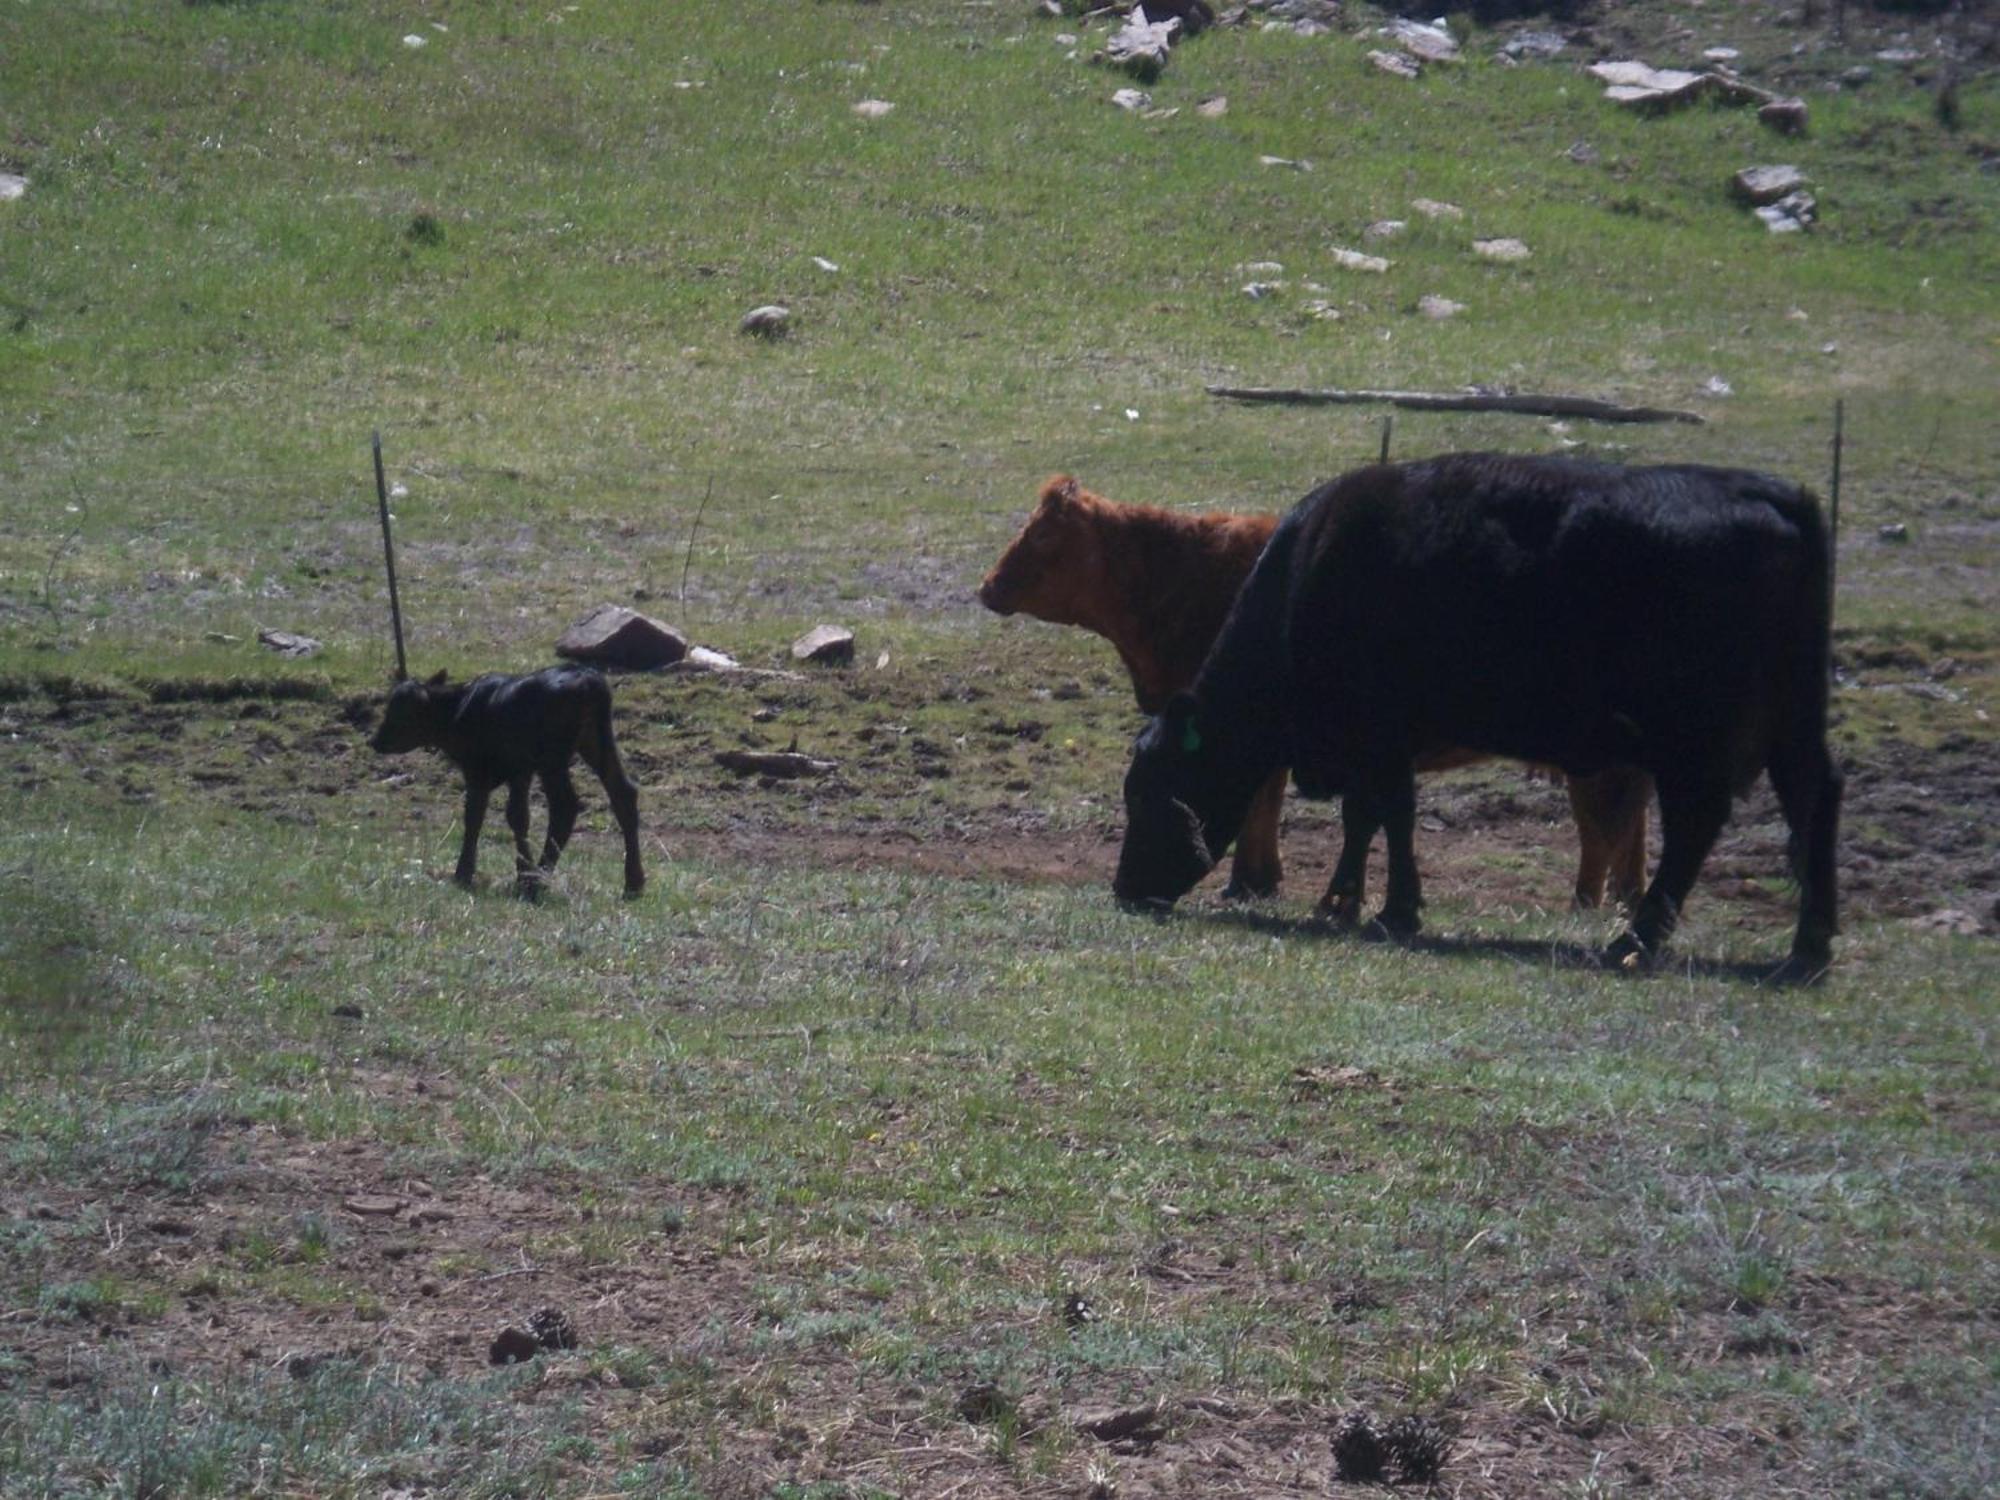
point(1399, 64)
point(1284, 161)
point(12, 186)
point(1257, 291)
point(873, 109)
point(1437, 308)
point(1214, 107)
point(1132, 99)
point(413, 40)
point(1354, 260)
point(1767, 184)
point(1500, 249)
point(824, 264)
point(1433, 43)
point(769, 321)
point(1715, 385)
point(1319, 307)
point(1430, 208)
point(1384, 229)
point(1721, 54)
point(1261, 268)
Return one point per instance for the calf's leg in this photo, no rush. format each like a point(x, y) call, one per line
point(477, 791)
point(1610, 813)
point(1346, 891)
point(600, 753)
point(561, 792)
point(517, 820)
point(1257, 868)
point(1395, 792)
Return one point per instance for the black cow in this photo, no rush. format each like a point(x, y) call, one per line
point(1579, 614)
point(502, 730)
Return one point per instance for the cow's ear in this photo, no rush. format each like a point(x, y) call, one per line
point(437, 678)
point(1060, 491)
point(1179, 721)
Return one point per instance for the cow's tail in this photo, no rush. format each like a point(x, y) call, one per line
point(595, 742)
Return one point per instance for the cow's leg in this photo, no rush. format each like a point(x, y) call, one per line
point(477, 791)
point(517, 821)
point(1395, 791)
point(1809, 786)
point(1691, 815)
point(563, 802)
point(1610, 813)
point(1347, 889)
point(1257, 868)
point(602, 757)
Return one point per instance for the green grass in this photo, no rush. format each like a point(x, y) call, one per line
point(814, 1139)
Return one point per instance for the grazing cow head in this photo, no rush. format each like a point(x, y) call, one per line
point(1050, 569)
point(1173, 826)
point(413, 718)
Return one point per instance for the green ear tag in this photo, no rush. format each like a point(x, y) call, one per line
point(1191, 739)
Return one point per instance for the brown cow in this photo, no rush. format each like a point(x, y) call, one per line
point(1157, 584)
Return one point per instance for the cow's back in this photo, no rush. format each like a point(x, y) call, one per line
point(1576, 613)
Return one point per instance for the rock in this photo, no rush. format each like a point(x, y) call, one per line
point(1893, 531)
point(1535, 44)
point(414, 41)
point(1320, 308)
point(347, 1011)
point(1142, 1422)
point(1720, 54)
point(1857, 75)
point(830, 267)
point(1715, 385)
point(1786, 116)
point(1141, 46)
point(1132, 99)
point(513, 1346)
point(830, 644)
point(1257, 291)
point(1950, 920)
point(1214, 107)
point(1789, 214)
point(12, 186)
point(1430, 208)
point(772, 320)
point(702, 659)
point(982, 1403)
point(1430, 41)
point(1583, 154)
point(1384, 229)
point(616, 636)
point(873, 109)
point(1398, 64)
point(1760, 185)
point(1500, 249)
point(305, 1365)
point(285, 643)
point(1195, 16)
point(1641, 85)
point(1284, 161)
point(373, 1205)
point(1437, 309)
point(1354, 260)
point(1261, 268)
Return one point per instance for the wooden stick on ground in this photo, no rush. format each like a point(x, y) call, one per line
point(1521, 404)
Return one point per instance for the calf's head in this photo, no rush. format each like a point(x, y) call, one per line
point(1175, 822)
point(413, 719)
point(1050, 569)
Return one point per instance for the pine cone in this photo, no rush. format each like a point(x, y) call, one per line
point(1418, 1447)
point(1357, 1447)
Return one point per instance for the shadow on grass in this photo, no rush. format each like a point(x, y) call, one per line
point(1551, 954)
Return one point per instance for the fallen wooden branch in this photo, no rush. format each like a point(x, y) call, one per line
point(1525, 405)
point(781, 763)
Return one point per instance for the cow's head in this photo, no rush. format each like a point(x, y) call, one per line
point(412, 718)
point(1049, 570)
point(1173, 829)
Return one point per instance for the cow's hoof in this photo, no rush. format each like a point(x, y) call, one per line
point(1799, 969)
point(634, 889)
point(465, 882)
point(1341, 911)
point(1393, 927)
point(1240, 889)
point(1627, 955)
point(529, 887)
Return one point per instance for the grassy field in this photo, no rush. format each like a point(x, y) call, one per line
point(873, 1151)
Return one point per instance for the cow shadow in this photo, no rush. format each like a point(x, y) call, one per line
point(1543, 953)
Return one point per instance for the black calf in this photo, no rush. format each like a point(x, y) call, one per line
point(509, 730)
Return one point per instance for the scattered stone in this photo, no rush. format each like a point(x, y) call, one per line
point(1437, 308)
point(1857, 75)
point(1284, 161)
point(1052, 9)
point(346, 1011)
point(1142, 1423)
point(1715, 385)
point(705, 659)
point(1134, 99)
point(1257, 291)
point(831, 645)
point(413, 40)
point(1384, 229)
point(1500, 249)
point(1540, 45)
point(285, 643)
point(1431, 41)
point(1789, 214)
point(305, 1365)
point(1077, 1310)
point(982, 1403)
point(615, 636)
point(1430, 208)
point(1261, 268)
point(1214, 107)
point(1898, 55)
point(12, 186)
point(373, 1205)
point(1397, 64)
point(1141, 45)
point(873, 109)
point(552, 1328)
point(430, 1286)
point(825, 265)
point(1583, 154)
point(1720, 54)
point(1893, 531)
point(513, 1346)
point(772, 320)
point(1643, 86)
point(1760, 185)
point(1786, 116)
point(785, 765)
point(1320, 308)
point(1354, 260)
